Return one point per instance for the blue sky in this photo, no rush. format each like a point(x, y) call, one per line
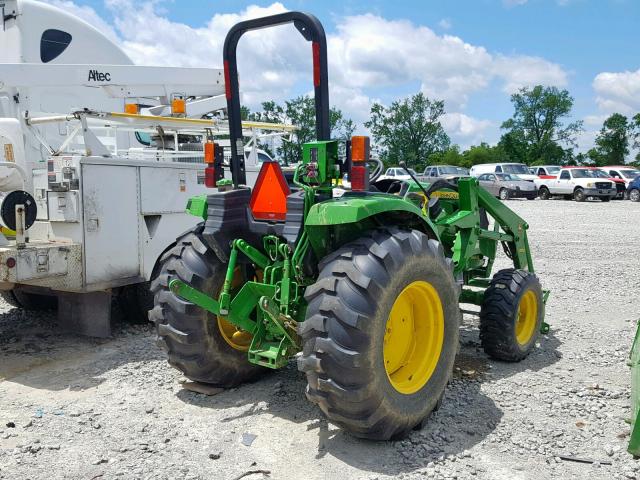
point(470, 53)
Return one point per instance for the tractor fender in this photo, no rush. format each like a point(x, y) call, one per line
point(335, 222)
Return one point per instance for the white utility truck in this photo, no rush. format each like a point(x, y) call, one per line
point(89, 201)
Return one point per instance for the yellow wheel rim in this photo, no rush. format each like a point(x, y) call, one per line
point(413, 337)
point(527, 317)
point(235, 338)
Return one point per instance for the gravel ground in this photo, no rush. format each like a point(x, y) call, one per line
point(73, 407)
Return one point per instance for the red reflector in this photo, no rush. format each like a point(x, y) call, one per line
point(359, 149)
point(359, 178)
point(11, 262)
point(209, 177)
point(227, 80)
point(269, 196)
point(316, 63)
point(208, 152)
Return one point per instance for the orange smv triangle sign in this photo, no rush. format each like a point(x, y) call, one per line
point(269, 196)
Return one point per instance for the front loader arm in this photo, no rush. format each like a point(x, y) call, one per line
point(476, 242)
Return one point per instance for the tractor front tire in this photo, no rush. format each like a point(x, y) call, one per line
point(381, 333)
point(511, 315)
point(192, 336)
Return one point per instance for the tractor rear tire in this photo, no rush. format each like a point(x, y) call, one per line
point(29, 301)
point(347, 333)
point(511, 315)
point(190, 335)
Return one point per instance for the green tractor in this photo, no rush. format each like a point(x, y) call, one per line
point(364, 289)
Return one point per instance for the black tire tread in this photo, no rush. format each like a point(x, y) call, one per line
point(498, 311)
point(33, 302)
point(335, 329)
point(187, 333)
point(9, 297)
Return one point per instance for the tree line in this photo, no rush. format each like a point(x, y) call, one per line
point(540, 132)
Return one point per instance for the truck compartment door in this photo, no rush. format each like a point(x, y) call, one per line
point(110, 199)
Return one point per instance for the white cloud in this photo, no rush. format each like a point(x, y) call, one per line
point(445, 24)
point(366, 53)
point(465, 130)
point(521, 71)
point(618, 91)
point(87, 14)
point(594, 120)
point(514, 3)
point(371, 51)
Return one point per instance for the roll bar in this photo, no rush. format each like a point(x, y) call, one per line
point(312, 30)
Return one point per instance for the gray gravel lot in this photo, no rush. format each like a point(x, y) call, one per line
point(73, 407)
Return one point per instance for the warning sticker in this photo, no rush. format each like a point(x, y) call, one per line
point(444, 194)
point(8, 153)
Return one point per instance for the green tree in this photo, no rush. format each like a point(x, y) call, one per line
point(515, 146)
point(450, 156)
point(635, 133)
point(300, 111)
point(538, 128)
point(612, 142)
point(484, 153)
point(409, 130)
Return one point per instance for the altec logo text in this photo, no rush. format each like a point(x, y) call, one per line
point(97, 76)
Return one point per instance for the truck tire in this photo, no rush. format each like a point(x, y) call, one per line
point(634, 195)
point(605, 199)
point(544, 193)
point(504, 194)
point(196, 341)
point(381, 333)
point(511, 315)
point(10, 298)
point(29, 301)
point(136, 301)
point(578, 195)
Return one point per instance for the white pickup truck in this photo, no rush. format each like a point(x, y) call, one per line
point(577, 183)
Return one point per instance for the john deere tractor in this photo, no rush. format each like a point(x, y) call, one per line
point(363, 289)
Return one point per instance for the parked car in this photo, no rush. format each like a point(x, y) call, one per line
point(633, 191)
point(506, 186)
point(397, 173)
point(545, 170)
point(519, 169)
point(578, 183)
point(621, 186)
point(623, 172)
point(449, 173)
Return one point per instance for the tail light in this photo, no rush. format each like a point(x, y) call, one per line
point(213, 157)
point(132, 108)
point(360, 152)
point(269, 196)
point(178, 105)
